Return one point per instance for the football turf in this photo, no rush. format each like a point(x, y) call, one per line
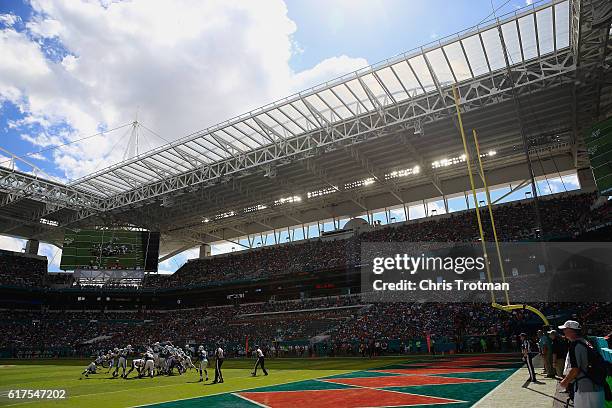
point(390, 381)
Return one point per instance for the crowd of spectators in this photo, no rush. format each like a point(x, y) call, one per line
point(343, 324)
point(50, 329)
point(561, 216)
point(347, 324)
point(257, 264)
point(21, 270)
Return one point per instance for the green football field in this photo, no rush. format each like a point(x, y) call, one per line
point(423, 381)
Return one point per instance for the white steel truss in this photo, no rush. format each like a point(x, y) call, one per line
point(353, 109)
point(535, 49)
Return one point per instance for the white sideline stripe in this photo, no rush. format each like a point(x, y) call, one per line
point(496, 387)
point(250, 400)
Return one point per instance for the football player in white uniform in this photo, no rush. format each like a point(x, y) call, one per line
point(123, 356)
point(203, 356)
point(188, 352)
point(138, 364)
point(112, 358)
point(149, 365)
point(92, 367)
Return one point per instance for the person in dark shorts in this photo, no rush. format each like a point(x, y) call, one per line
point(260, 362)
point(219, 357)
point(528, 354)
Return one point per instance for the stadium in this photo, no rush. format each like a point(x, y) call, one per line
point(487, 152)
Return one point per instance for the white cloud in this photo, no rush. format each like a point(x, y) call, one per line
point(559, 184)
point(8, 162)
point(170, 265)
point(327, 70)
point(418, 211)
point(9, 20)
point(182, 65)
point(53, 254)
point(38, 156)
point(45, 28)
point(571, 182)
point(11, 243)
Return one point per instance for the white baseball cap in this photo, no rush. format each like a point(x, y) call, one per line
point(571, 324)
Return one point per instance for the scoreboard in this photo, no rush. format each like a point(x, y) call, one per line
point(599, 147)
point(110, 249)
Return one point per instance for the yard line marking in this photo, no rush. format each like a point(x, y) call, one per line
point(250, 400)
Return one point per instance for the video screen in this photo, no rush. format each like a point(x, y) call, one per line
point(110, 249)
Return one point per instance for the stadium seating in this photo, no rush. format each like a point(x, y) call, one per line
point(562, 217)
point(21, 269)
point(343, 324)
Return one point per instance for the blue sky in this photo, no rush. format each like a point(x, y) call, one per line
point(70, 69)
point(377, 30)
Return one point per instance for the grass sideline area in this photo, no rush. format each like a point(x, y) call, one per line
point(101, 390)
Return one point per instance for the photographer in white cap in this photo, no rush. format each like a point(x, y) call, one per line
point(587, 394)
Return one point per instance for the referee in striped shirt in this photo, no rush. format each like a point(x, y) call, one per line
point(528, 354)
point(260, 362)
point(219, 357)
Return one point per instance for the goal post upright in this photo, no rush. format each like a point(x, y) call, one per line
point(508, 307)
point(488, 195)
point(473, 187)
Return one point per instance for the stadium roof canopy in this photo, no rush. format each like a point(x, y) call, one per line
point(378, 137)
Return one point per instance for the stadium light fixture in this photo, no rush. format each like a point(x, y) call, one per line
point(322, 192)
point(360, 183)
point(226, 214)
point(402, 173)
point(49, 222)
point(285, 200)
point(448, 162)
point(254, 208)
